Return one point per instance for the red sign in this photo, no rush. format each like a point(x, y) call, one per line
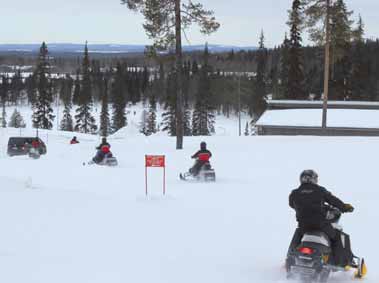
point(155, 161)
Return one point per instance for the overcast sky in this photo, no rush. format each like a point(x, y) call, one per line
point(106, 21)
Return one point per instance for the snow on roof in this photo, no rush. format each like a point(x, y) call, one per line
point(351, 118)
point(319, 102)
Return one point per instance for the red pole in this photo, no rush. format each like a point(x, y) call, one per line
point(145, 177)
point(164, 180)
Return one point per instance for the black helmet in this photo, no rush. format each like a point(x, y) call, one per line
point(203, 145)
point(104, 139)
point(309, 177)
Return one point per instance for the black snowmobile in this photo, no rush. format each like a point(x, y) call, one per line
point(312, 260)
point(206, 174)
point(104, 159)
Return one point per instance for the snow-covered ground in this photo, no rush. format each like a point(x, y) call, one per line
point(63, 222)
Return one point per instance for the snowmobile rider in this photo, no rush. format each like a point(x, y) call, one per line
point(202, 156)
point(309, 201)
point(74, 140)
point(101, 154)
point(103, 143)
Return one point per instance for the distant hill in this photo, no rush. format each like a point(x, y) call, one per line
point(108, 48)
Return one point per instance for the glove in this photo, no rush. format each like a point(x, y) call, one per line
point(348, 208)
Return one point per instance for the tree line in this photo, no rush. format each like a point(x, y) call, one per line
point(210, 84)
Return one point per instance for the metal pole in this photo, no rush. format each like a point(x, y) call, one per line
point(326, 73)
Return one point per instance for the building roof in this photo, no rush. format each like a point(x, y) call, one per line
point(351, 118)
point(317, 104)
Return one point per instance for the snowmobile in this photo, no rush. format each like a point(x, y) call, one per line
point(312, 260)
point(206, 174)
point(110, 161)
point(104, 157)
point(34, 153)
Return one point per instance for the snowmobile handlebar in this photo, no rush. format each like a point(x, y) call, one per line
point(333, 214)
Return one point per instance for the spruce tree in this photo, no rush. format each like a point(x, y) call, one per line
point(341, 35)
point(105, 124)
point(187, 120)
point(169, 115)
point(143, 123)
point(203, 118)
point(3, 98)
point(42, 111)
point(258, 103)
point(30, 89)
point(295, 69)
point(85, 122)
point(360, 72)
point(151, 127)
point(67, 123)
point(16, 120)
point(284, 90)
point(3, 116)
point(66, 87)
point(76, 94)
point(16, 87)
point(119, 92)
point(247, 131)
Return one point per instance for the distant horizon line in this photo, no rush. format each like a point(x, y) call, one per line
point(119, 44)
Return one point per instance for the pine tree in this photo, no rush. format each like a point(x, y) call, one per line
point(247, 131)
point(43, 112)
point(119, 119)
point(295, 68)
point(203, 117)
point(16, 120)
point(151, 126)
point(164, 22)
point(258, 104)
point(85, 122)
point(105, 124)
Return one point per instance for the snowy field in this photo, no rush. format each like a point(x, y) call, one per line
point(62, 222)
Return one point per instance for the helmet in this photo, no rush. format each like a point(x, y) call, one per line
point(309, 177)
point(203, 145)
point(104, 139)
point(105, 149)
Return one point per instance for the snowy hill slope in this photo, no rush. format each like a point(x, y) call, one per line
point(64, 222)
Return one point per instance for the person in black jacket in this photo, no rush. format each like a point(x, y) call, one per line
point(103, 143)
point(309, 201)
point(202, 156)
